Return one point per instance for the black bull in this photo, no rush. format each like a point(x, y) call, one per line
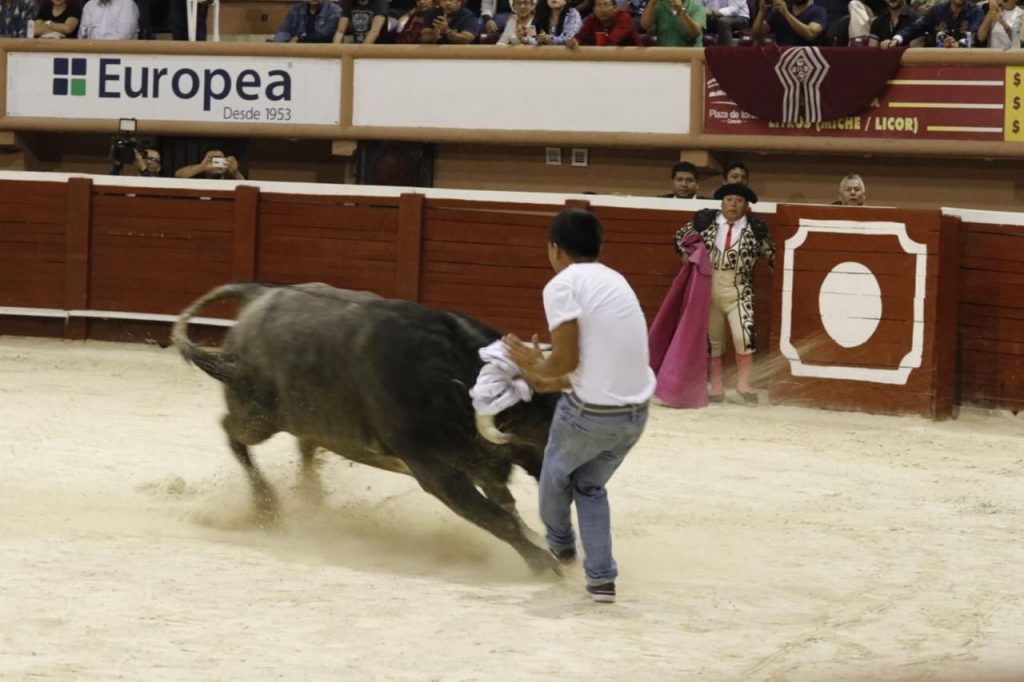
point(379, 381)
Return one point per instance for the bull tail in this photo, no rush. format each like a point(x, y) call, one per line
point(216, 363)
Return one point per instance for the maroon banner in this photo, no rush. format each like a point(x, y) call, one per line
point(791, 84)
point(919, 102)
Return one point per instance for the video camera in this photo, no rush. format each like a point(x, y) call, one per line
point(123, 149)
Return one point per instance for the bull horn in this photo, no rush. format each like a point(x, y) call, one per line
point(485, 426)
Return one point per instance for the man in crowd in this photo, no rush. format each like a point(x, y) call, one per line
point(607, 25)
point(724, 17)
point(685, 181)
point(450, 24)
point(599, 351)
point(736, 173)
point(735, 240)
point(887, 24)
point(14, 17)
point(363, 20)
point(675, 23)
point(852, 191)
point(214, 166)
point(109, 20)
point(147, 162)
point(954, 23)
point(314, 21)
point(798, 24)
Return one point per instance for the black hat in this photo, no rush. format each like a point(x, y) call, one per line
point(735, 188)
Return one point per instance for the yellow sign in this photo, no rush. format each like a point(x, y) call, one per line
point(1013, 125)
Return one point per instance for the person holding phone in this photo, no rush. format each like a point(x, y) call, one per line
point(519, 29)
point(800, 23)
point(676, 23)
point(214, 166)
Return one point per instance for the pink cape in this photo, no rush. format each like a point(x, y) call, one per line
point(678, 339)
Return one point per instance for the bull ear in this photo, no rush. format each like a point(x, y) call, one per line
point(486, 428)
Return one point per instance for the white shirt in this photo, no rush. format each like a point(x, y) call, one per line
point(998, 38)
point(115, 20)
point(614, 365)
point(723, 230)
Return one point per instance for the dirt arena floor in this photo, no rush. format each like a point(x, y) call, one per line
point(755, 544)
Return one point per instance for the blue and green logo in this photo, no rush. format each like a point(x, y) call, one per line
point(69, 76)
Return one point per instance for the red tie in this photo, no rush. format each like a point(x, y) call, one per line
point(728, 237)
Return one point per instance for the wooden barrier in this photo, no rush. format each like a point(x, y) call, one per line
point(86, 259)
point(866, 303)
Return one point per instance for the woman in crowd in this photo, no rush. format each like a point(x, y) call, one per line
point(58, 19)
point(1002, 25)
point(409, 26)
point(555, 22)
point(519, 29)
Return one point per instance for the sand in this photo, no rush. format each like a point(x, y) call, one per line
point(772, 543)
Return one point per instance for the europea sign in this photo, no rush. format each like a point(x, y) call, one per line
point(174, 88)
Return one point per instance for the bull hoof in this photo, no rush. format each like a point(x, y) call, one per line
point(542, 562)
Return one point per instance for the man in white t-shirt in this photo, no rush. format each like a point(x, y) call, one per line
point(599, 350)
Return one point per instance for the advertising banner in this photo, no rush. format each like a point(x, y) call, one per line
point(275, 90)
point(980, 103)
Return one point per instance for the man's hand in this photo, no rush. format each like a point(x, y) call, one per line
point(949, 42)
point(886, 44)
point(521, 354)
point(491, 26)
point(684, 257)
point(440, 27)
point(677, 6)
point(781, 7)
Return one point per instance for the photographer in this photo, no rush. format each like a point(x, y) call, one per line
point(145, 158)
point(214, 166)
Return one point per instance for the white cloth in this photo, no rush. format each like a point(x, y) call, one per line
point(115, 20)
point(723, 230)
point(998, 38)
point(729, 8)
point(614, 366)
point(510, 36)
point(499, 385)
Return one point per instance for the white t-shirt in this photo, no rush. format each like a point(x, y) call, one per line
point(614, 366)
point(723, 230)
point(998, 38)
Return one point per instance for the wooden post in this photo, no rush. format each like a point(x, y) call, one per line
point(409, 247)
point(77, 224)
point(243, 257)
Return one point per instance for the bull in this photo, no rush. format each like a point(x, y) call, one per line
point(379, 381)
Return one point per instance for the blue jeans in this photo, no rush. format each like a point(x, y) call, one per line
point(584, 449)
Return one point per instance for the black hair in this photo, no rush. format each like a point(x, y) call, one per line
point(685, 167)
point(577, 232)
point(542, 18)
point(735, 164)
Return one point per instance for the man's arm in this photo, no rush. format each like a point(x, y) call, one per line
point(375, 28)
point(759, 26)
point(647, 18)
point(339, 33)
point(621, 29)
point(286, 31)
point(809, 31)
point(692, 25)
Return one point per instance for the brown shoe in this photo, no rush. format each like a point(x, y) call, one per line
point(748, 398)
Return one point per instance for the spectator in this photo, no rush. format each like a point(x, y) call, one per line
point(58, 19)
point(887, 24)
point(798, 24)
point(494, 14)
point(608, 25)
point(953, 22)
point(147, 161)
point(14, 17)
point(675, 23)
point(214, 166)
point(724, 17)
point(178, 19)
point(736, 173)
point(920, 6)
point(310, 21)
point(1001, 27)
point(450, 24)
point(109, 20)
point(363, 20)
point(410, 25)
point(685, 181)
point(555, 22)
point(519, 28)
point(852, 191)
point(735, 239)
point(635, 8)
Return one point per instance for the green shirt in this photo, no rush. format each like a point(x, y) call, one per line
point(669, 29)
